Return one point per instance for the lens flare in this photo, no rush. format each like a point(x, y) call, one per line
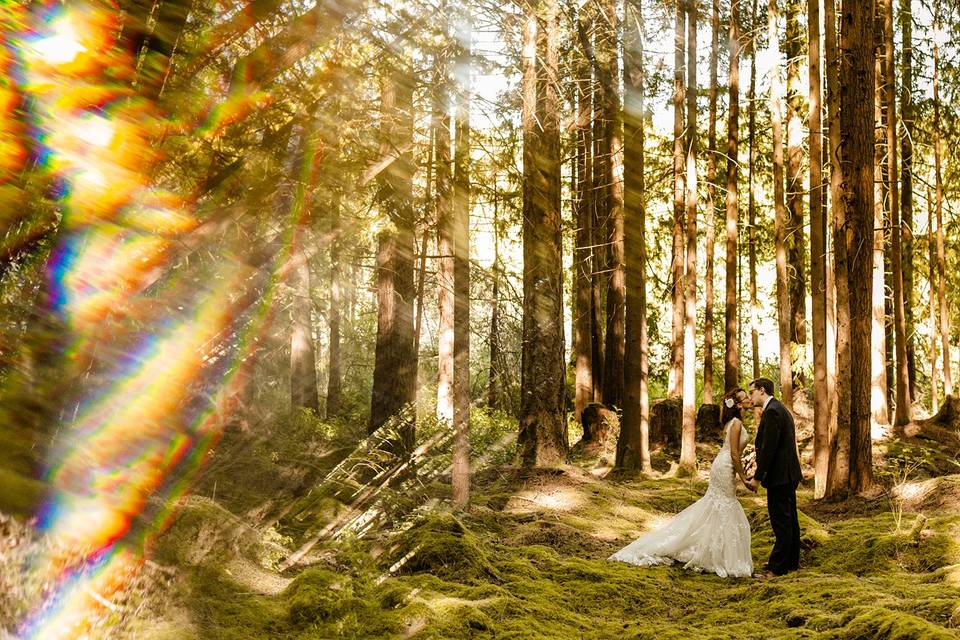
point(164, 382)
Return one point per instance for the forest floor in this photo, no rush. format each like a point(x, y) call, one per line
point(528, 558)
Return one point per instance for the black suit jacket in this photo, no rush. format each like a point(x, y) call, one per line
point(776, 443)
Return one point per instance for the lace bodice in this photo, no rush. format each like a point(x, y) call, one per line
point(743, 435)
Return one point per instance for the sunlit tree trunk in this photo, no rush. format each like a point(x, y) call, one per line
point(818, 251)
point(542, 439)
point(731, 369)
point(461, 269)
point(303, 360)
point(688, 452)
point(783, 283)
point(334, 374)
point(444, 214)
point(857, 94)
point(879, 406)
point(795, 240)
point(709, 209)
point(751, 198)
point(583, 251)
point(934, 335)
point(938, 177)
point(633, 445)
point(607, 66)
point(599, 201)
point(496, 385)
point(906, 180)
point(677, 265)
point(394, 372)
point(902, 416)
point(838, 473)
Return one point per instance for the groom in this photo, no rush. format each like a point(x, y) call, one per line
point(778, 471)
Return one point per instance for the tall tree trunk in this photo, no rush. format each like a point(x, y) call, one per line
point(583, 250)
point(838, 474)
point(496, 393)
point(303, 360)
point(751, 198)
point(796, 244)
point(600, 205)
point(879, 406)
point(633, 446)
point(334, 375)
point(675, 388)
point(542, 440)
point(461, 268)
point(445, 225)
point(857, 94)
point(938, 176)
point(688, 450)
point(731, 369)
point(394, 371)
point(932, 247)
point(711, 206)
point(900, 328)
point(906, 178)
point(818, 252)
point(607, 65)
point(783, 283)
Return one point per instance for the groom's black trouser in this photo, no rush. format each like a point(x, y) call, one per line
point(782, 507)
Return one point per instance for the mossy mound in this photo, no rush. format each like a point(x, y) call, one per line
point(443, 546)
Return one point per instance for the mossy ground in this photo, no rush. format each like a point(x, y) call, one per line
point(527, 560)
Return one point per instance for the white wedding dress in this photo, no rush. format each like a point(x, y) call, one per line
point(710, 535)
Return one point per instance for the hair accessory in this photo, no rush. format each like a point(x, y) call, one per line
point(729, 402)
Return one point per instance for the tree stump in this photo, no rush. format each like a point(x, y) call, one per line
point(598, 421)
point(666, 421)
point(708, 423)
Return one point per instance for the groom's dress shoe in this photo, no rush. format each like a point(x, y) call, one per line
point(764, 575)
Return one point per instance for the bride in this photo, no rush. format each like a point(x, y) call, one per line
point(712, 534)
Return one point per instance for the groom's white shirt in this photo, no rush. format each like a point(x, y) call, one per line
point(765, 403)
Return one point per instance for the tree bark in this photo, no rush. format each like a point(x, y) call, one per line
point(607, 66)
point(710, 212)
point(542, 439)
point(818, 251)
point(902, 408)
point(941, 259)
point(906, 189)
point(675, 381)
point(838, 474)
point(857, 94)
point(445, 228)
point(751, 198)
point(334, 374)
point(731, 370)
point(783, 283)
point(932, 247)
point(496, 392)
point(879, 405)
point(633, 446)
point(688, 450)
point(583, 250)
point(394, 372)
point(796, 244)
point(296, 193)
point(460, 473)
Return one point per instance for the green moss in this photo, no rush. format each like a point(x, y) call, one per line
point(884, 624)
point(443, 546)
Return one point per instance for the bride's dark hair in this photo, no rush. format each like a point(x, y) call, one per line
point(727, 413)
